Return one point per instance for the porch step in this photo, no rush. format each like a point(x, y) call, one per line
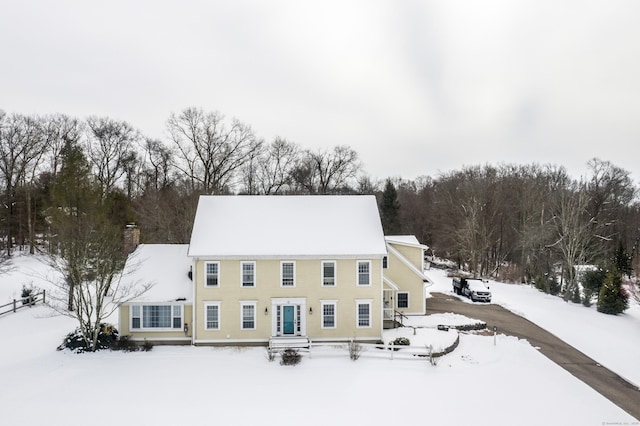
point(278, 343)
point(387, 324)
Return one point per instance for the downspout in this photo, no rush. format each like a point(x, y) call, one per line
point(194, 274)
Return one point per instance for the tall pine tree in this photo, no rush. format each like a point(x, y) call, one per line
point(390, 210)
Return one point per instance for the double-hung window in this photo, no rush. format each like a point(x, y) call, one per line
point(135, 316)
point(329, 314)
point(402, 300)
point(248, 315)
point(156, 317)
point(328, 273)
point(212, 274)
point(363, 314)
point(364, 272)
point(288, 274)
point(248, 272)
point(212, 316)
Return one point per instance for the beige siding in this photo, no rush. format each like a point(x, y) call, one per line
point(415, 255)
point(157, 336)
point(406, 279)
point(308, 287)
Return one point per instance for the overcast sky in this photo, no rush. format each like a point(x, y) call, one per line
point(415, 87)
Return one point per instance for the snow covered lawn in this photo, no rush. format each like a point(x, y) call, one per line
point(479, 383)
point(612, 340)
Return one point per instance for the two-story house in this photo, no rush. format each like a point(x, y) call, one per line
point(262, 268)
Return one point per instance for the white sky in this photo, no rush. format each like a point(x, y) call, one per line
point(415, 87)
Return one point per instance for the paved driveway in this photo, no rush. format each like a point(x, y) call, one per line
point(604, 381)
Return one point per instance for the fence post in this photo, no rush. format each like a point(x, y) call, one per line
point(14, 306)
point(43, 296)
point(392, 350)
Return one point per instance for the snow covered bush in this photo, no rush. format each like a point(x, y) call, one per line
point(290, 357)
point(75, 341)
point(402, 341)
point(28, 295)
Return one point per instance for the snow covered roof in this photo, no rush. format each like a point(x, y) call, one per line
point(408, 240)
point(166, 266)
point(287, 226)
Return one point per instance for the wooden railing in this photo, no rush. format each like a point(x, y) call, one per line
point(375, 350)
point(24, 302)
point(399, 317)
point(393, 315)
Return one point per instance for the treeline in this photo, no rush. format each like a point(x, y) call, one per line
point(526, 223)
point(521, 223)
point(152, 182)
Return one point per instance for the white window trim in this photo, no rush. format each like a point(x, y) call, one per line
point(364, 302)
point(282, 262)
point(145, 329)
point(358, 273)
point(205, 274)
point(335, 273)
point(255, 274)
point(206, 305)
point(335, 314)
point(255, 314)
point(398, 300)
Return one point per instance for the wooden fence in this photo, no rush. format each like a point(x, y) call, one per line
point(367, 350)
point(24, 302)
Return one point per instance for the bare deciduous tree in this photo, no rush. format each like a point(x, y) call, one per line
point(22, 145)
point(157, 162)
point(577, 232)
point(274, 170)
point(91, 263)
point(109, 147)
point(327, 171)
point(209, 151)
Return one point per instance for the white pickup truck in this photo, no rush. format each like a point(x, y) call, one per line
point(474, 288)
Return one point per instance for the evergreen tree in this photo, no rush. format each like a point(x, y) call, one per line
point(88, 251)
point(622, 260)
point(74, 200)
point(612, 299)
point(592, 283)
point(390, 210)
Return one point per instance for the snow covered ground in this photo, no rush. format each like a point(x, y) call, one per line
point(612, 340)
point(478, 384)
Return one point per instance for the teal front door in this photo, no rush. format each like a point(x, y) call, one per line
point(288, 320)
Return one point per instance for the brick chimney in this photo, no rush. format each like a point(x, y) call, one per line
point(131, 237)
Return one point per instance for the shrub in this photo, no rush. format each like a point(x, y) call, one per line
point(146, 346)
point(401, 341)
point(290, 357)
point(125, 344)
point(355, 349)
point(107, 338)
point(28, 295)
